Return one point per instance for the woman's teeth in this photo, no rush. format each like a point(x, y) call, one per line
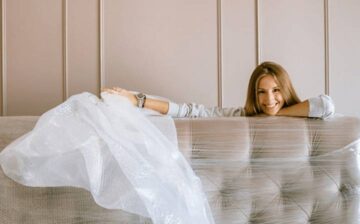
point(270, 106)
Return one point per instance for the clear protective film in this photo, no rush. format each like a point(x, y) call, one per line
point(110, 148)
point(276, 169)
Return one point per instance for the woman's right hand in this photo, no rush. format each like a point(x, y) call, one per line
point(160, 106)
point(121, 92)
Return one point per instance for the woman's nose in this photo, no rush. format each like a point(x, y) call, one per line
point(270, 97)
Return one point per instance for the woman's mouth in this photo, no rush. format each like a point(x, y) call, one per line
point(271, 109)
point(271, 106)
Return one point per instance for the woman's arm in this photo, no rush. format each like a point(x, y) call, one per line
point(157, 105)
point(179, 110)
point(297, 110)
point(153, 104)
point(199, 110)
point(320, 107)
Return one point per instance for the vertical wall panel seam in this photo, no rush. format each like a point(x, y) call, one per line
point(219, 53)
point(326, 40)
point(101, 78)
point(65, 51)
point(2, 56)
point(257, 32)
point(3, 59)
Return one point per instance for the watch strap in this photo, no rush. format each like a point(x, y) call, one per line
point(140, 97)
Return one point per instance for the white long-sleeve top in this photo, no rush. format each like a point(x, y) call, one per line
point(319, 107)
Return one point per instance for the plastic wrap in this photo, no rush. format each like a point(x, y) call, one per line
point(112, 150)
point(276, 169)
point(253, 170)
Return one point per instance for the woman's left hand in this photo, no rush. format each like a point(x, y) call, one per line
point(122, 92)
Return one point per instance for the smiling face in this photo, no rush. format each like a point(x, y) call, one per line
point(269, 90)
point(269, 95)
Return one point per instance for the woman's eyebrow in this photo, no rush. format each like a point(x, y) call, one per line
point(270, 88)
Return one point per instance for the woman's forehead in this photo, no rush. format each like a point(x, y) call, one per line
point(267, 82)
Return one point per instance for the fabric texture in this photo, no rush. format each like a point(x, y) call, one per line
point(321, 106)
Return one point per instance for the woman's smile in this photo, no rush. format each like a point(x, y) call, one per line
point(270, 98)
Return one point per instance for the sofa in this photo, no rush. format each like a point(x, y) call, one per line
point(253, 170)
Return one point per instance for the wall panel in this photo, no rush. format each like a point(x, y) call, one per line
point(344, 29)
point(166, 48)
point(172, 48)
point(83, 46)
point(238, 49)
point(34, 56)
point(292, 34)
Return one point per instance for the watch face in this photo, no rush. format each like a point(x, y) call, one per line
point(140, 99)
point(140, 96)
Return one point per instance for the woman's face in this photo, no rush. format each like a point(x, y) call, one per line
point(269, 96)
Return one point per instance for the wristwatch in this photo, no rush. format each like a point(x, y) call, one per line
point(140, 97)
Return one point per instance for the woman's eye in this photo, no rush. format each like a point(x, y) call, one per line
point(276, 90)
point(260, 92)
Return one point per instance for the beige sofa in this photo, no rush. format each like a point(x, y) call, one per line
point(254, 170)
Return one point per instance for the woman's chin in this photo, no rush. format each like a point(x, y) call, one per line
point(270, 112)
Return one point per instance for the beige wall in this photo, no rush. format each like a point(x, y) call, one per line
point(344, 55)
point(162, 47)
point(82, 49)
point(292, 33)
point(187, 50)
point(33, 56)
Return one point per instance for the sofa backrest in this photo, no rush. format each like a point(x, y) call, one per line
point(253, 169)
point(276, 169)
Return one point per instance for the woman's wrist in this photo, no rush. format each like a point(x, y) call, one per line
point(140, 100)
point(157, 105)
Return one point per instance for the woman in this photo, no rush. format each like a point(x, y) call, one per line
point(270, 92)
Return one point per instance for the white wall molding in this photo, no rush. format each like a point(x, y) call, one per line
point(219, 54)
point(3, 59)
point(326, 47)
point(257, 32)
point(65, 50)
point(101, 46)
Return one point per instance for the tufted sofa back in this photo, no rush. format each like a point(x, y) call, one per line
point(254, 170)
point(276, 169)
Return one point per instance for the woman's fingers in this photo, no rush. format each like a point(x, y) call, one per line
point(121, 92)
point(115, 90)
point(104, 89)
point(118, 89)
point(109, 91)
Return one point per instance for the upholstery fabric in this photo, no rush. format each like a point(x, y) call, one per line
point(253, 170)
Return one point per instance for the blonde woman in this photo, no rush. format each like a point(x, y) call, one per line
point(270, 92)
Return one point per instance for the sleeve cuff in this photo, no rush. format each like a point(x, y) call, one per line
point(173, 109)
point(321, 106)
point(315, 106)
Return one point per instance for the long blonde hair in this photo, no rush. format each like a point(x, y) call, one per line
point(281, 77)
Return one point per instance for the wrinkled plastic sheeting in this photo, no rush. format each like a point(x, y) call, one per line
point(276, 169)
point(111, 149)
